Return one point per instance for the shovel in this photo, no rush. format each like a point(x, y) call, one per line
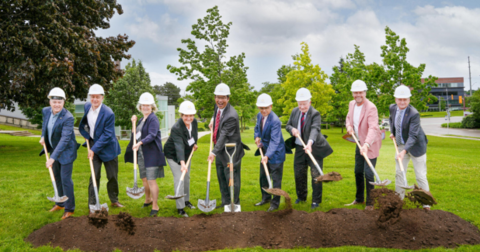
point(207, 205)
point(270, 189)
point(232, 207)
point(135, 192)
point(97, 206)
point(406, 186)
point(378, 182)
point(178, 196)
point(55, 198)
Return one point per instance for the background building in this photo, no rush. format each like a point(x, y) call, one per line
point(451, 91)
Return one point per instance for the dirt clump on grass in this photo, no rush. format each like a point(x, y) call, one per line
point(125, 222)
point(329, 177)
point(417, 229)
point(389, 205)
point(99, 218)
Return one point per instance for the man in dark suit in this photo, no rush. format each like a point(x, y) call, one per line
point(59, 138)
point(226, 129)
point(98, 127)
point(411, 140)
point(268, 136)
point(305, 122)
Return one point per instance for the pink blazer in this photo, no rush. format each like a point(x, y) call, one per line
point(368, 130)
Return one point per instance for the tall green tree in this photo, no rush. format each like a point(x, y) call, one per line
point(309, 76)
point(125, 93)
point(169, 89)
point(209, 67)
point(46, 44)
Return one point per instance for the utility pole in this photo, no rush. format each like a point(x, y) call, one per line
point(469, 76)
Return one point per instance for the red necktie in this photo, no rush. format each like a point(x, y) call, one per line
point(217, 122)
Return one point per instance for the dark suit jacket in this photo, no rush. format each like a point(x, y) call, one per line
point(412, 133)
point(152, 143)
point(177, 147)
point(105, 143)
point(63, 147)
point(320, 147)
point(228, 132)
point(272, 139)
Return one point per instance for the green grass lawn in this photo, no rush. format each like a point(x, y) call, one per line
point(453, 166)
point(8, 127)
point(441, 113)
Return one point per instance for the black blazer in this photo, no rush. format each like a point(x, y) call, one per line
point(177, 147)
point(412, 133)
point(320, 147)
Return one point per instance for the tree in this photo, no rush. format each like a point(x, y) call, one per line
point(125, 93)
point(46, 44)
point(168, 89)
point(309, 76)
point(208, 68)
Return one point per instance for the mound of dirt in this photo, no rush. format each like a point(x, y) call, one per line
point(389, 204)
point(99, 218)
point(416, 229)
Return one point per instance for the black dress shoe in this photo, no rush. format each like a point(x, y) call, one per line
point(272, 208)
point(182, 213)
point(263, 202)
point(189, 205)
point(153, 213)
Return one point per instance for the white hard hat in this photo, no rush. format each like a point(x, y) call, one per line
point(146, 98)
point(222, 89)
point(358, 86)
point(402, 91)
point(264, 100)
point(303, 94)
point(55, 93)
point(96, 89)
point(187, 108)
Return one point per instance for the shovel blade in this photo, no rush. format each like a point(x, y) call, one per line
point(94, 208)
point(228, 209)
point(202, 205)
point(135, 192)
point(381, 183)
point(175, 197)
point(407, 187)
point(58, 199)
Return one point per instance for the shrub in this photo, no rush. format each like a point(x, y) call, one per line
point(470, 122)
point(425, 115)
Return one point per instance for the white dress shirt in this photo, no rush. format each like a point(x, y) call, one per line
point(92, 119)
point(356, 117)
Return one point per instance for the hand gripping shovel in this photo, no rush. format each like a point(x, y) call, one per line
point(331, 176)
point(97, 206)
point(180, 184)
point(135, 192)
point(405, 186)
point(55, 198)
point(378, 182)
point(207, 205)
point(232, 207)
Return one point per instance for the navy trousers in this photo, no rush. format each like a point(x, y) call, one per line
point(63, 179)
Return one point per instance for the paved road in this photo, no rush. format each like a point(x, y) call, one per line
point(432, 126)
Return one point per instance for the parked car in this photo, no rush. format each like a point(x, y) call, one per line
point(385, 124)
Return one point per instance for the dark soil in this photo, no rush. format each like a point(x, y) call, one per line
point(389, 204)
point(421, 197)
point(415, 229)
point(329, 177)
point(99, 218)
point(125, 222)
point(280, 192)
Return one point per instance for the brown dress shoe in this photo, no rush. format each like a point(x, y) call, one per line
point(117, 204)
point(66, 215)
point(56, 208)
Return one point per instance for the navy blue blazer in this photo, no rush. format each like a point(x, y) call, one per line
point(272, 138)
point(105, 143)
point(152, 144)
point(63, 147)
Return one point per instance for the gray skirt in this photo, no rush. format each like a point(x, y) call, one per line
point(151, 173)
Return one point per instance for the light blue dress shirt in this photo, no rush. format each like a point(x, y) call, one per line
point(50, 124)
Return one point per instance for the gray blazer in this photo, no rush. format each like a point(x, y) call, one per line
point(228, 132)
point(320, 147)
point(412, 133)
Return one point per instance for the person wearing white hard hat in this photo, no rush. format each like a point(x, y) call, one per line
point(98, 127)
point(151, 159)
point(268, 136)
point(411, 140)
point(59, 138)
point(305, 123)
point(180, 144)
point(226, 129)
point(362, 120)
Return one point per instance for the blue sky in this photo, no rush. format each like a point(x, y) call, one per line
point(441, 34)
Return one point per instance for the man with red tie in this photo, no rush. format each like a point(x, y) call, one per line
point(226, 129)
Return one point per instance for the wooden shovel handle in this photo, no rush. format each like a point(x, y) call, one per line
point(363, 154)
point(188, 163)
point(308, 152)
point(396, 150)
point(49, 168)
point(134, 127)
point(209, 151)
point(91, 165)
point(264, 165)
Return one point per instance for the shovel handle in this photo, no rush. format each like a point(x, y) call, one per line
point(209, 151)
point(266, 170)
point(94, 180)
point(134, 127)
point(363, 154)
point(49, 168)
point(311, 156)
point(187, 164)
point(400, 163)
